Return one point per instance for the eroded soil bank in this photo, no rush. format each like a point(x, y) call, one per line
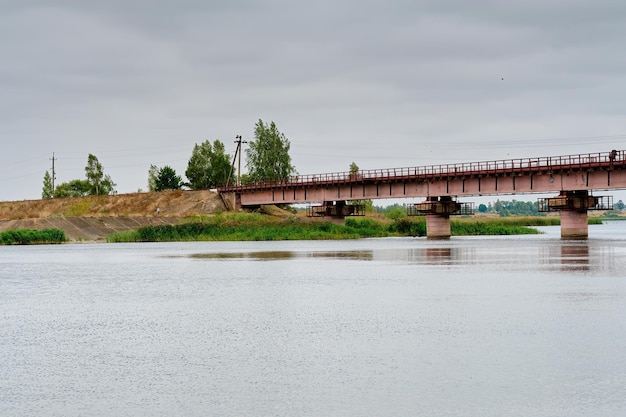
point(94, 218)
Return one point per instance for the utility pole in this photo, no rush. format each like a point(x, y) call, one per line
point(54, 174)
point(237, 152)
point(239, 142)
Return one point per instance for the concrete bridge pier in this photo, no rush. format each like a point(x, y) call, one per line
point(437, 211)
point(574, 224)
point(572, 207)
point(438, 226)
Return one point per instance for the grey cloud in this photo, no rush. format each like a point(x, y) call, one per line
point(381, 83)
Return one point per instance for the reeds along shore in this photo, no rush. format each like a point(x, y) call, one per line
point(32, 237)
point(251, 227)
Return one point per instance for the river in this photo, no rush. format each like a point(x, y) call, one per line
point(473, 326)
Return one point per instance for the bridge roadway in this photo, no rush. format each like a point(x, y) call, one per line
point(563, 175)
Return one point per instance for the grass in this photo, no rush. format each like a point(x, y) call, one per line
point(242, 226)
point(251, 227)
point(81, 207)
point(521, 225)
point(32, 237)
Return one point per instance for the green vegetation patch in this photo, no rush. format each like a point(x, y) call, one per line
point(242, 226)
point(522, 225)
point(81, 207)
point(252, 227)
point(481, 228)
point(409, 226)
point(32, 237)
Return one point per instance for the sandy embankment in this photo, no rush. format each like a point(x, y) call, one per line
point(94, 218)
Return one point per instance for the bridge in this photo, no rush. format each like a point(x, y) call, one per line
point(572, 178)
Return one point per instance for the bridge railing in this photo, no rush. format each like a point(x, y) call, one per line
point(508, 166)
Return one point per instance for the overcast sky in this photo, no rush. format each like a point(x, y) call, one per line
point(382, 84)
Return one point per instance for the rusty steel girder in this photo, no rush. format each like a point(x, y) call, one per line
point(575, 201)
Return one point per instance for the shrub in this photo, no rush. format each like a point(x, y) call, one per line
point(32, 237)
point(409, 226)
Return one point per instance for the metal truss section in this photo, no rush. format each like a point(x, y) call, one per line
point(575, 202)
point(451, 208)
point(336, 209)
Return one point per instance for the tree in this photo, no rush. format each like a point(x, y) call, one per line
point(393, 211)
point(482, 208)
point(47, 191)
point(268, 155)
point(208, 166)
point(74, 188)
point(354, 171)
point(516, 208)
point(168, 180)
point(98, 182)
point(367, 205)
point(619, 205)
point(152, 177)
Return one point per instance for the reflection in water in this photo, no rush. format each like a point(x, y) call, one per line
point(434, 256)
point(439, 254)
point(446, 255)
point(362, 255)
point(268, 255)
point(569, 256)
point(575, 257)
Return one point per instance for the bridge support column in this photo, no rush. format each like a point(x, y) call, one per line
point(438, 226)
point(573, 206)
point(574, 224)
point(340, 220)
point(438, 211)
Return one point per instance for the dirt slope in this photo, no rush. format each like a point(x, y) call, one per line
point(94, 218)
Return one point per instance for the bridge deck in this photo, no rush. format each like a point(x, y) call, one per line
point(512, 167)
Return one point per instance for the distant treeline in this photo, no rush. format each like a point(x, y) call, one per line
point(32, 237)
point(501, 207)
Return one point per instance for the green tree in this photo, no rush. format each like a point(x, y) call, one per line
point(98, 182)
point(394, 211)
point(354, 171)
point(245, 179)
point(153, 172)
point(268, 156)
point(168, 180)
point(74, 188)
point(516, 208)
point(619, 205)
point(482, 208)
point(47, 191)
point(208, 166)
point(368, 205)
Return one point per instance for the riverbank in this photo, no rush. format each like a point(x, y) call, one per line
point(200, 215)
point(265, 227)
point(94, 218)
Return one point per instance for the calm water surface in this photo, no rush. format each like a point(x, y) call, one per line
point(477, 326)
